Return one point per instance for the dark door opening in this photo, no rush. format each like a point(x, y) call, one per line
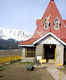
point(64, 55)
point(49, 51)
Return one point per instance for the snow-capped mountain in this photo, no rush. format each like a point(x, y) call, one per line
point(17, 34)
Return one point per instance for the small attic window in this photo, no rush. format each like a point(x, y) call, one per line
point(46, 23)
point(56, 23)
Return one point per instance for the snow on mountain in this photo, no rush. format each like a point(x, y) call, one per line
point(17, 34)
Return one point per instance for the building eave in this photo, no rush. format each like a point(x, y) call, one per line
point(51, 35)
point(26, 45)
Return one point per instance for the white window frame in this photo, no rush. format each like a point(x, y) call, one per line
point(56, 23)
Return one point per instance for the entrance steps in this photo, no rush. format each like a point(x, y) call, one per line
point(51, 61)
point(24, 59)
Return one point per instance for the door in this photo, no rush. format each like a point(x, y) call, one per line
point(49, 54)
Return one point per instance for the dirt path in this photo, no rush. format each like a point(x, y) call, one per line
point(17, 72)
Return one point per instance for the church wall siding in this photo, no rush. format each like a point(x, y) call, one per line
point(23, 52)
point(39, 50)
point(59, 54)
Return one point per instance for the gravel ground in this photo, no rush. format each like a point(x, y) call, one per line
point(18, 72)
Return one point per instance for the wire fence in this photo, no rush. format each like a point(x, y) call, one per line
point(10, 55)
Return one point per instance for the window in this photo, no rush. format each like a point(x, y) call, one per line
point(46, 23)
point(56, 23)
point(30, 52)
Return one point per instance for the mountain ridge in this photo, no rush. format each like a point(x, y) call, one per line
point(13, 33)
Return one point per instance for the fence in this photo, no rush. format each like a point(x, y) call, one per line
point(10, 55)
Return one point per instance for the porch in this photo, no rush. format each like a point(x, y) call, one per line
point(48, 47)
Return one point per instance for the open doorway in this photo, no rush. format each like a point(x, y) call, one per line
point(49, 52)
point(64, 55)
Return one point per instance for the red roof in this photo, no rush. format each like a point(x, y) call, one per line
point(64, 22)
point(51, 12)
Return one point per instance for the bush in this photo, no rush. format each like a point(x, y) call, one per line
point(29, 67)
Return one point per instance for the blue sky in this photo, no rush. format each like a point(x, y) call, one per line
point(22, 14)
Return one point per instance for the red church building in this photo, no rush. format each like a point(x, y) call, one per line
point(49, 40)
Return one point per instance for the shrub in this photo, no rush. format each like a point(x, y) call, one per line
point(29, 67)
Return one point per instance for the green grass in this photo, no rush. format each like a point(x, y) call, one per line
point(62, 68)
point(2, 67)
point(65, 66)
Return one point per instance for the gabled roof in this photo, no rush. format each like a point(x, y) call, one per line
point(64, 22)
point(51, 12)
point(49, 34)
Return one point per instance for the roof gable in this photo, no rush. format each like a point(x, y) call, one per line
point(54, 37)
point(52, 10)
point(51, 13)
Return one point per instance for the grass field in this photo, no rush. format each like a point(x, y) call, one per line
point(10, 55)
point(9, 59)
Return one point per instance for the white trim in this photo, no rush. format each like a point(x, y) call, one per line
point(27, 45)
point(43, 38)
point(51, 35)
point(49, 40)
